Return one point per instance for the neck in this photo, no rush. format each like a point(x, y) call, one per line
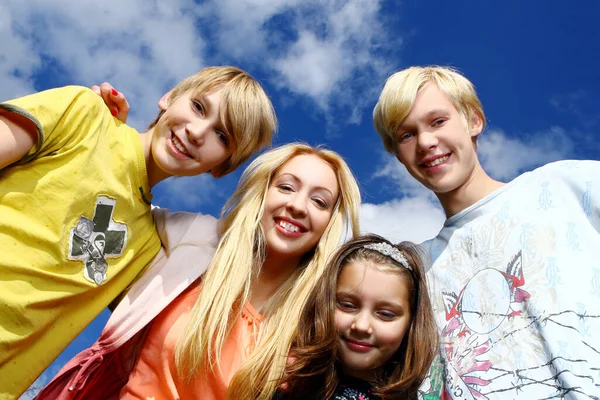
point(154, 173)
point(369, 375)
point(474, 189)
point(274, 272)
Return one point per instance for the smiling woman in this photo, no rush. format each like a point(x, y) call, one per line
point(228, 334)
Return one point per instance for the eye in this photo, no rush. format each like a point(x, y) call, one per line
point(285, 187)
point(320, 203)
point(346, 305)
point(439, 122)
point(198, 106)
point(386, 315)
point(223, 138)
point(405, 136)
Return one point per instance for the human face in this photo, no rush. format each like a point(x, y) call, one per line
point(298, 206)
point(371, 318)
point(435, 144)
point(190, 138)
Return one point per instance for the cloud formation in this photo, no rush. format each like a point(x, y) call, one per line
point(505, 157)
point(316, 49)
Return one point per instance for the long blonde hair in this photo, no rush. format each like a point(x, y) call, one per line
point(227, 284)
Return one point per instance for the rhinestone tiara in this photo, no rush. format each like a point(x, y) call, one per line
point(389, 251)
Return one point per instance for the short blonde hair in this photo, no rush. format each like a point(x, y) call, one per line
point(227, 283)
point(400, 92)
point(246, 110)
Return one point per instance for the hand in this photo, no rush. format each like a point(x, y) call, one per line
point(115, 101)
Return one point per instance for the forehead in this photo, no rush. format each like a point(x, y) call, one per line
point(311, 170)
point(430, 98)
point(366, 281)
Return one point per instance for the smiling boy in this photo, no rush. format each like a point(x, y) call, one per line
point(513, 281)
point(76, 227)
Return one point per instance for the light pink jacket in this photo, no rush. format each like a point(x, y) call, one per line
point(100, 372)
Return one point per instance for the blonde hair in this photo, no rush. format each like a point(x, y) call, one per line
point(227, 284)
point(400, 92)
point(246, 110)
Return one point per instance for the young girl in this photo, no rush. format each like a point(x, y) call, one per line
point(367, 331)
point(227, 336)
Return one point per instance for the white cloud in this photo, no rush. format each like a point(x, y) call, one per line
point(504, 157)
point(410, 218)
point(315, 48)
point(413, 213)
point(17, 58)
point(333, 48)
point(403, 182)
point(142, 47)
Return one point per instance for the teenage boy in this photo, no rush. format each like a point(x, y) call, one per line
point(515, 279)
point(75, 221)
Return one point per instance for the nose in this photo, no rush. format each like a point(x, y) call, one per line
point(197, 131)
point(427, 140)
point(362, 323)
point(297, 204)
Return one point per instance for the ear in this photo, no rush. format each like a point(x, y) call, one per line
point(476, 125)
point(164, 101)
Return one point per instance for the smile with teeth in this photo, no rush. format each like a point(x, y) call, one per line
point(179, 146)
point(437, 161)
point(288, 227)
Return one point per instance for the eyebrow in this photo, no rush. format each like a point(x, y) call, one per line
point(295, 178)
point(428, 115)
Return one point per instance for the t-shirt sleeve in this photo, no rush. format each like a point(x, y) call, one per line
point(590, 200)
point(62, 117)
point(583, 179)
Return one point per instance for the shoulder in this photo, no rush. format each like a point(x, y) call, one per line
point(50, 105)
point(60, 94)
point(81, 95)
point(175, 227)
point(572, 175)
point(566, 168)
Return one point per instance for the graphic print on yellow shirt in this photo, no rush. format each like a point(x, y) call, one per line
point(94, 240)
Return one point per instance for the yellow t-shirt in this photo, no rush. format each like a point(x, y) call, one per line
point(75, 228)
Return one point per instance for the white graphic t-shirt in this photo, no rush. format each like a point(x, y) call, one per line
point(515, 285)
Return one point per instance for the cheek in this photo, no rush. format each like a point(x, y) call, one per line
point(391, 335)
point(271, 202)
point(342, 321)
point(321, 220)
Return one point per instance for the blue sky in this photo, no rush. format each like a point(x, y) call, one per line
point(323, 62)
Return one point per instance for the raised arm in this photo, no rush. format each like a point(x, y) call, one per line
point(114, 100)
point(17, 136)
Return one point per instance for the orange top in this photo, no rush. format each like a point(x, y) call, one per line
point(155, 377)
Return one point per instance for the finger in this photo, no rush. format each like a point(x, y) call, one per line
point(96, 89)
point(122, 105)
point(116, 101)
